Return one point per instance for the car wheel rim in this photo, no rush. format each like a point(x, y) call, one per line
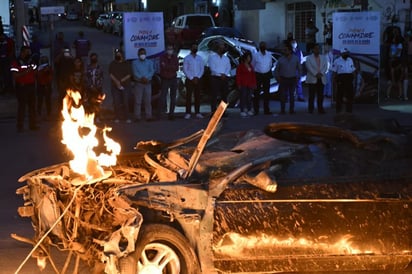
point(157, 258)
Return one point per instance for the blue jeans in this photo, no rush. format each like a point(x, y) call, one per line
point(286, 90)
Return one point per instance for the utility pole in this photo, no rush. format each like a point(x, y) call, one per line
point(20, 10)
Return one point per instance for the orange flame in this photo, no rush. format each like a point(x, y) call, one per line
point(79, 136)
point(234, 244)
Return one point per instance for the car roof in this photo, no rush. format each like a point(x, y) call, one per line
point(226, 31)
point(232, 41)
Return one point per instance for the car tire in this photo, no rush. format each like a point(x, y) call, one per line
point(155, 239)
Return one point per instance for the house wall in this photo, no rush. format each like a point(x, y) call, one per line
point(269, 24)
point(171, 8)
point(262, 25)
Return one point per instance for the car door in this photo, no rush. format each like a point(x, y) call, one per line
point(313, 226)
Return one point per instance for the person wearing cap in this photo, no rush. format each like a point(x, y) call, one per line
point(343, 69)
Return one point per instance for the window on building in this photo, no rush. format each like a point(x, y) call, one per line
point(297, 17)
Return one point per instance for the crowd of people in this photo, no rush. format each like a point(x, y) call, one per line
point(33, 76)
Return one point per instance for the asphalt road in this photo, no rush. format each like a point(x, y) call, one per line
point(23, 152)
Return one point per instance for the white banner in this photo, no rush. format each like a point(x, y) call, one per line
point(357, 31)
point(143, 30)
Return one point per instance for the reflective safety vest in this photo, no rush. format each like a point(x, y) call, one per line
point(20, 66)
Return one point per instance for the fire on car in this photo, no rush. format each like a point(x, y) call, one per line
point(289, 198)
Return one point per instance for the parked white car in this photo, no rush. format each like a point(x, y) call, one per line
point(235, 48)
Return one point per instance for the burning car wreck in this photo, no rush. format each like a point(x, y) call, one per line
point(289, 198)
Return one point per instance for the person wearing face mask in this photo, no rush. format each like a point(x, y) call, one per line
point(24, 75)
point(343, 71)
point(120, 73)
point(169, 65)
point(317, 66)
point(219, 65)
point(143, 71)
point(296, 51)
point(288, 71)
point(94, 86)
point(262, 62)
point(193, 68)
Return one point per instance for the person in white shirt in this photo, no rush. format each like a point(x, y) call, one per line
point(193, 68)
point(343, 69)
point(262, 62)
point(317, 67)
point(219, 65)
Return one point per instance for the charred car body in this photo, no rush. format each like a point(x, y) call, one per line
point(293, 197)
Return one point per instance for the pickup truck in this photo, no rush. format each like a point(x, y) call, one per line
point(186, 29)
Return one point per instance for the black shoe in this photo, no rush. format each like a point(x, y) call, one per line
point(282, 112)
point(268, 112)
point(310, 111)
point(150, 119)
point(321, 111)
point(137, 120)
point(292, 112)
point(301, 99)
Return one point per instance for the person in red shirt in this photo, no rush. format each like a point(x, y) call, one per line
point(44, 86)
point(24, 75)
point(246, 82)
point(169, 65)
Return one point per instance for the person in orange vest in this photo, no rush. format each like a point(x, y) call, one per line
point(24, 75)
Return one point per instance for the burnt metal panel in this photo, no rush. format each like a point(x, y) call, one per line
point(317, 226)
